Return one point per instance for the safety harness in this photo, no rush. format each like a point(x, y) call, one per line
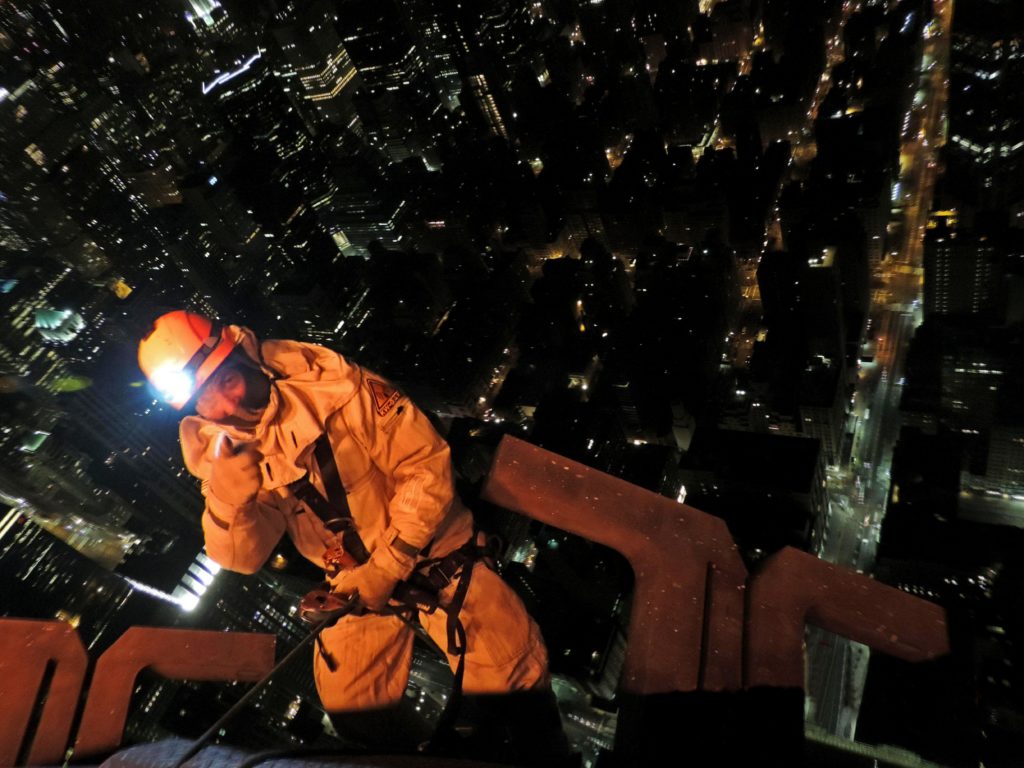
point(420, 592)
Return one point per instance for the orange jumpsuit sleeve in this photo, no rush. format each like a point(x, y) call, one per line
point(403, 445)
point(241, 538)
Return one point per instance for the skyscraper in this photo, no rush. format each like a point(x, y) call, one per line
point(960, 273)
point(255, 106)
point(399, 104)
point(986, 105)
point(55, 581)
point(316, 68)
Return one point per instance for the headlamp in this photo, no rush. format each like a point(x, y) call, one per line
point(173, 385)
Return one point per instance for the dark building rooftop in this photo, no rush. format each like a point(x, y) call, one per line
point(753, 458)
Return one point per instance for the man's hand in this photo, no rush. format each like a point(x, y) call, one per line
point(235, 477)
point(373, 583)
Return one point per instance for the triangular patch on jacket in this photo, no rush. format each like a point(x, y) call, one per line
point(384, 396)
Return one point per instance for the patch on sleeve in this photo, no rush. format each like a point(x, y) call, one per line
point(385, 397)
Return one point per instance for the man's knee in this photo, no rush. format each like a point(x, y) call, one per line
point(504, 648)
point(363, 663)
point(527, 670)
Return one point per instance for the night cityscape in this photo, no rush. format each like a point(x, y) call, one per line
point(761, 257)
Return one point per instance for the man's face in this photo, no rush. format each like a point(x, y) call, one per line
point(221, 395)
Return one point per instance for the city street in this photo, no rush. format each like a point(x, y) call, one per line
point(858, 491)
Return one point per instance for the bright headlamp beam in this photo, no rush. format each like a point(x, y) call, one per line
point(173, 385)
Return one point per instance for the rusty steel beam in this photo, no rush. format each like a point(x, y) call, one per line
point(27, 648)
point(690, 621)
point(795, 588)
point(679, 638)
point(177, 654)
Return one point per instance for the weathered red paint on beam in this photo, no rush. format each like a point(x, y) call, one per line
point(674, 550)
point(795, 588)
point(177, 654)
point(26, 647)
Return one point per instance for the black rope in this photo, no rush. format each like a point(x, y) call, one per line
point(332, 509)
point(314, 634)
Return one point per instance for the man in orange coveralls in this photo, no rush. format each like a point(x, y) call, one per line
point(262, 407)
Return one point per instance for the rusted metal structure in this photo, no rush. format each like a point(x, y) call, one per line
point(700, 622)
point(694, 602)
point(28, 648)
point(708, 641)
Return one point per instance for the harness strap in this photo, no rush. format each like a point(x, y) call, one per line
point(328, 465)
point(333, 510)
point(445, 727)
point(446, 722)
point(421, 591)
point(456, 632)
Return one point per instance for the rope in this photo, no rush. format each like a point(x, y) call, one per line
point(320, 626)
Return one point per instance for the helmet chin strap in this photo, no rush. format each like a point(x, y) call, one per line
point(210, 344)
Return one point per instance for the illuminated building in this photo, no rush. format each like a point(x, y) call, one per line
point(209, 20)
point(14, 228)
point(365, 207)
point(399, 105)
point(964, 378)
point(387, 59)
point(270, 197)
point(960, 273)
point(62, 326)
point(502, 29)
point(483, 97)
point(203, 10)
point(428, 25)
point(317, 69)
point(227, 231)
point(784, 397)
point(155, 187)
point(1004, 470)
point(256, 108)
point(55, 581)
point(986, 112)
point(936, 543)
point(21, 352)
point(24, 113)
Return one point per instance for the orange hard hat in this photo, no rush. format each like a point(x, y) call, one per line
point(179, 354)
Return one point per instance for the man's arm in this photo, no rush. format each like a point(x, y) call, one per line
point(241, 539)
point(240, 524)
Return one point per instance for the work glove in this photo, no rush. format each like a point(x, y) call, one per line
point(373, 583)
point(235, 477)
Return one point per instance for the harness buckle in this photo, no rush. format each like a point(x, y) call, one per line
point(439, 577)
point(320, 604)
point(338, 559)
